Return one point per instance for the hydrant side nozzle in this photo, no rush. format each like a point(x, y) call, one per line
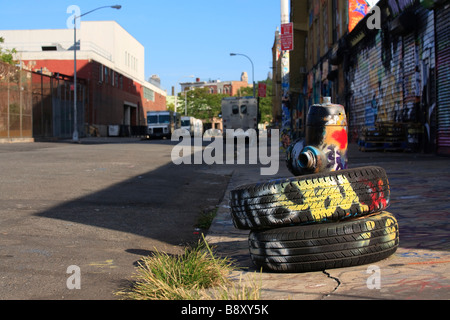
point(311, 159)
point(307, 159)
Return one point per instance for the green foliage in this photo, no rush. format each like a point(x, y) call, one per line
point(166, 277)
point(200, 103)
point(7, 55)
point(195, 275)
point(203, 105)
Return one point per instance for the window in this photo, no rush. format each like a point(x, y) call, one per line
point(149, 94)
point(49, 48)
point(244, 109)
point(164, 118)
point(235, 109)
point(152, 119)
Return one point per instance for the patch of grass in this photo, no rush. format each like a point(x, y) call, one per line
point(194, 275)
point(206, 218)
point(235, 291)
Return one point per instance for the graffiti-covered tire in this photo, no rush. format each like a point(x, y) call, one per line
point(322, 246)
point(320, 197)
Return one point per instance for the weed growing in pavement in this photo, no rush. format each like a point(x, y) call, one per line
point(206, 218)
point(196, 274)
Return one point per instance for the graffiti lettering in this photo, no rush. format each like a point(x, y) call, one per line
point(377, 195)
point(341, 138)
point(335, 160)
point(329, 196)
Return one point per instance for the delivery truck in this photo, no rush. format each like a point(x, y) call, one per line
point(240, 113)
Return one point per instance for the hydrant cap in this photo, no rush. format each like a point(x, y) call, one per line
point(326, 114)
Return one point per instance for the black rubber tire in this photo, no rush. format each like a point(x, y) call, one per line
point(320, 197)
point(324, 246)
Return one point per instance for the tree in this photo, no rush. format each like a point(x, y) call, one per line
point(7, 55)
point(203, 105)
point(265, 104)
point(200, 103)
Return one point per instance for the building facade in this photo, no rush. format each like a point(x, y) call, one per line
point(389, 70)
point(231, 88)
point(110, 70)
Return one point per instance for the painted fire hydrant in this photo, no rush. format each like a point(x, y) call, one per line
point(324, 147)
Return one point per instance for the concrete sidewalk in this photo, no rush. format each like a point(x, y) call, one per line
point(420, 269)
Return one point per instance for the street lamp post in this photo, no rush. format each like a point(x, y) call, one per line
point(253, 70)
point(75, 116)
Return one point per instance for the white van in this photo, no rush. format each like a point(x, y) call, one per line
point(162, 123)
point(240, 113)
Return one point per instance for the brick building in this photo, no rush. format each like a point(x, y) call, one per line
point(112, 91)
point(230, 88)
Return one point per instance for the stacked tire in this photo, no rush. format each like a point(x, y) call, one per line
point(318, 221)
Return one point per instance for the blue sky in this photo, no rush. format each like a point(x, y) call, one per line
point(181, 38)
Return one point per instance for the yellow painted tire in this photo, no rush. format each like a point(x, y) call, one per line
point(330, 196)
point(322, 246)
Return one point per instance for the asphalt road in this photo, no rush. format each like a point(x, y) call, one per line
point(100, 206)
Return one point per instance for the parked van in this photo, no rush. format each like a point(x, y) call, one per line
point(162, 123)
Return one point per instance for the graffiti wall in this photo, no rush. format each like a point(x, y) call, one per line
point(391, 102)
point(442, 78)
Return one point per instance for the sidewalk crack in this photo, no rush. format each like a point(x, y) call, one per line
point(337, 286)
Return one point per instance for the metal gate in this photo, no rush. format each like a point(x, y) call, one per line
point(53, 107)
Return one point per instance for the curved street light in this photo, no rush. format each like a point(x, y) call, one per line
point(75, 124)
point(253, 70)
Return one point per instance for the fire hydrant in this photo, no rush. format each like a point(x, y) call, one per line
point(324, 148)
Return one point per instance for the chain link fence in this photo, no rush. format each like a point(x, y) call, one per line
point(53, 106)
point(35, 105)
